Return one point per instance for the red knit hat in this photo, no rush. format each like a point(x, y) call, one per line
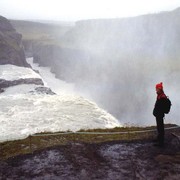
point(159, 86)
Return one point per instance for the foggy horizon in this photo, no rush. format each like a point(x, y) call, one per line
point(82, 10)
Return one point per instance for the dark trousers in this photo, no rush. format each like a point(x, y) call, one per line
point(160, 130)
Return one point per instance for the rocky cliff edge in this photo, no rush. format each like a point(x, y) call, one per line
point(11, 49)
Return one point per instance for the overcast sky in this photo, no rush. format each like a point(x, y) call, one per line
point(71, 10)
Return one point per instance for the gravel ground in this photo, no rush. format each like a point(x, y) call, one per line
point(107, 161)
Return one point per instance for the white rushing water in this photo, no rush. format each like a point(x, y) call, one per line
point(23, 113)
point(49, 79)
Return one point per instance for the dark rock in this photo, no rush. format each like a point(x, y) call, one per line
point(1, 90)
point(44, 90)
point(11, 49)
point(108, 160)
point(5, 83)
point(5, 25)
point(36, 81)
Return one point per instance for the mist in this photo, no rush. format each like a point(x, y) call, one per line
point(118, 62)
point(68, 10)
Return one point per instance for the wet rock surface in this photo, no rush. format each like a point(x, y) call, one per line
point(109, 160)
point(5, 83)
point(44, 90)
point(11, 48)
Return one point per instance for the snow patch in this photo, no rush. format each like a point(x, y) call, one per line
point(11, 72)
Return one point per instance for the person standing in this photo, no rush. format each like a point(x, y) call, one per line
point(158, 112)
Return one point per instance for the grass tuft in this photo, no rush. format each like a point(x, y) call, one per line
point(32, 143)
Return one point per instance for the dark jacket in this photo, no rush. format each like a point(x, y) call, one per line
point(158, 111)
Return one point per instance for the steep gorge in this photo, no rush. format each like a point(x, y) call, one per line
point(117, 62)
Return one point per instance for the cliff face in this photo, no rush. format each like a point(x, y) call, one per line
point(11, 49)
point(153, 35)
point(12, 53)
point(66, 63)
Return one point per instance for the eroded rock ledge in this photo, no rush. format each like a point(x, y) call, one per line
point(5, 83)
